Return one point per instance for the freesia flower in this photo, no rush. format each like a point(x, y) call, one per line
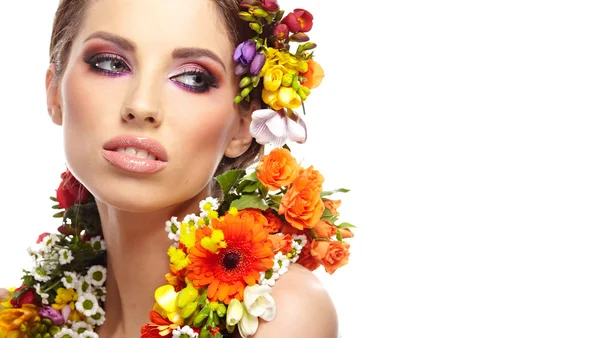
point(281, 31)
point(270, 5)
point(259, 302)
point(245, 52)
point(300, 20)
point(275, 127)
point(257, 63)
point(235, 311)
point(53, 314)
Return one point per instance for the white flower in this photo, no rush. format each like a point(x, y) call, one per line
point(84, 285)
point(281, 263)
point(235, 311)
point(99, 292)
point(97, 275)
point(87, 304)
point(191, 219)
point(81, 327)
point(43, 295)
point(65, 256)
point(89, 334)
point(97, 243)
point(248, 325)
point(97, 318)
point(263, 280)
point(275, 127)
point(172, 227)
point(40, 274)
point(184, 332)
point(67, 333)
point(70, 280)
point(299, 241)
point(208, 204)
point(259, 302)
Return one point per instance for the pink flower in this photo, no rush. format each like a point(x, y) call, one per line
point(300, 20)
point(275, 127)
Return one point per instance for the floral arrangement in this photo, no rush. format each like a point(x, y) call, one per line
point(225, 259)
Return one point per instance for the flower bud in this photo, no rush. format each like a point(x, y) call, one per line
point(189, 309)
point(299, 37)
point(247, 17)
point(287, 79)
point(245, 92)
point(186, 296)
point(256, 27)
point(255, 80)
point(201, 316)
point(302, 95)
point(235, 311)
point(238, 99)
point(281, 31)
point(245, 81)
point(296, 84)
point(259, 12)
point(257, 63)
point(221, 310)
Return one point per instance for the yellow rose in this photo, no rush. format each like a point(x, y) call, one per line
point(273, 76)
point(271, 98)
point(12, 319)
point(289, 98)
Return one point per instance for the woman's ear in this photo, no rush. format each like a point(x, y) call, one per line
point(52, 95)
point(242, 140)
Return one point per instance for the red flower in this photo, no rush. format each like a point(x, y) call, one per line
point(270, 5)
point(281, 31)
point(41, 237)
point(160, 327)
point(298, 21)
point(28, 297)
point(70, 191)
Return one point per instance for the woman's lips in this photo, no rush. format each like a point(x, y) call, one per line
point(140, 155)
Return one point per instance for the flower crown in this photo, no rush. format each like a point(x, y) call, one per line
point(223, 260)
point(266, 63)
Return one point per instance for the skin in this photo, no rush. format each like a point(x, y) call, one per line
point(196, 128)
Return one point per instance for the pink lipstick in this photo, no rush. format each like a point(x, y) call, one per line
point(141, 155)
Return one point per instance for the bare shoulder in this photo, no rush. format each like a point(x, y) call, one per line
point(304, 308)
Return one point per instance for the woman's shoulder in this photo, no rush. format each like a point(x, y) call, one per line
point(304, 307)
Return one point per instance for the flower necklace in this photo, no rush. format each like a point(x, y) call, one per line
point(224, 259)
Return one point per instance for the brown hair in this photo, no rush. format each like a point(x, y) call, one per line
point(67, 22)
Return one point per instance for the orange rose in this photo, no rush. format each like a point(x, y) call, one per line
point(333, 205)
point(314, 75)
point(256, 215)
point(346, 233)
point(302, 205)
point(281, 243)
point(286, 228)
point(274, 222)
point(306, 259)
point(277, 169)
point(332, 255)
point(325, 229)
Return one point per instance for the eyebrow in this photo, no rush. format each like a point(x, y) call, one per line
point(178, 53)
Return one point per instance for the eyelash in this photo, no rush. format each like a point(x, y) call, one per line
point(207, 80)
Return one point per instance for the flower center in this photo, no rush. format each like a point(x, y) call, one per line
point(231, 260)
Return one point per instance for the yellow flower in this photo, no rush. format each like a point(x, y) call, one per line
point(12, 319)
point(215, 242)
point(273, 77)
point(289, 98)
point(64, 297)
point(178, 258)
point(271, 98)
point(187, 234)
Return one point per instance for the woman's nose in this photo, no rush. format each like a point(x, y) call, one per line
point(143, 104)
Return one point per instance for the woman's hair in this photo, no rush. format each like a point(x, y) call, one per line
point(67, 22)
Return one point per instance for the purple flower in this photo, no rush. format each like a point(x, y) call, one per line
point(275, 127)
point(257, 63)
point(245, 52)
point(54, 315)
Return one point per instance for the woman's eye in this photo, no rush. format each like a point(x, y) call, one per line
point(196, 81)
point(110, 64)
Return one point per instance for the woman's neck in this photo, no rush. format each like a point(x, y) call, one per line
point(137, 263)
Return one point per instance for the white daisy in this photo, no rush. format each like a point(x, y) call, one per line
point(172, 228)
point(97, 243)
point(97, 318)
point(40, 274)
point(84, 285)
point(87, 304)
point(70, 280)
point(97, 275)
point(208, 204)
point(100, 293)
point(81, 327)
point(184, 332)
point(89, 334)
point(67, 333)
point(43, 295)
point(65, 256)
point(48, 242)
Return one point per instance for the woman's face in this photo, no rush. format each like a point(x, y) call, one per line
point(156, 77)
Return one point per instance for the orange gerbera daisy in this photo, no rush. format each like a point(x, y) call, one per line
point(228, 267)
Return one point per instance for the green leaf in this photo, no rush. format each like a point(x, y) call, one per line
point(228, 179)
point(345, 225)
point(338, 236)
point(328, 216)
point(251, 177)
point(53, 199)
point(250, 201)
point(56, 206)
point(59, 214)
point(329, 193)
point(249, 187)
point(276, 198)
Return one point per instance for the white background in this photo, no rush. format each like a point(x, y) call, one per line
point(468, 132)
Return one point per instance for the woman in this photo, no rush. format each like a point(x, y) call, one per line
point(148, 96)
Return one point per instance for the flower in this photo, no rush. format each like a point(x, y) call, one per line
point(65, 256)
point(97, 275)
point(245, 52)
point(281, 31)
point(331, 254)
point(289, 98)
point(259, 302)
point(314, 75)
point(300, 20)
point(87, 304)
point(277, 169)
point(184, 332)
point(227, 271)
point(274, 222)
point(70, 191)
point(324, 229)
point(257, 63)
point(51, 313)
point(25, 296)
point(12, 319)
point(273, 76)
point(275, 127)
point(270, 5)
point(160, 326)
point(302, 205)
